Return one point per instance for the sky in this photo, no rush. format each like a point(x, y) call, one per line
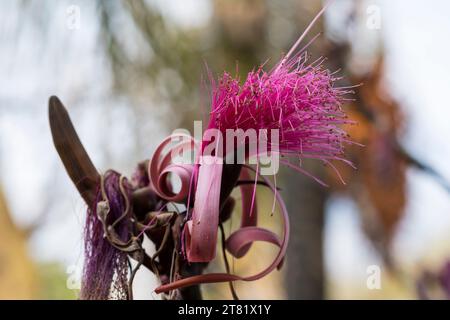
point(70, 64)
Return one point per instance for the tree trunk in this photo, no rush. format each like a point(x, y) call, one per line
point(305, 202)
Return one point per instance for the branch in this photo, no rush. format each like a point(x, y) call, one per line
point(72, 153)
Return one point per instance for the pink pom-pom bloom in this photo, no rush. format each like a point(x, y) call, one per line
point(297, 99)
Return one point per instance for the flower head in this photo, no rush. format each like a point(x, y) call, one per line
point(300, 101)
point(297, 99)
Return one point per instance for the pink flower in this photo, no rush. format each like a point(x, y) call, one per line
point(297, 99)
point(301, 101)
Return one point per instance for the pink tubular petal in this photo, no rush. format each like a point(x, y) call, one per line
point(284, 242)
point(224, 277)
point(201, 240)
point(161, 165)
point(238, 242)
point(249, 212)
point(203, 278)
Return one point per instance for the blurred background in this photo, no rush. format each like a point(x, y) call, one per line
point(130, 72)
